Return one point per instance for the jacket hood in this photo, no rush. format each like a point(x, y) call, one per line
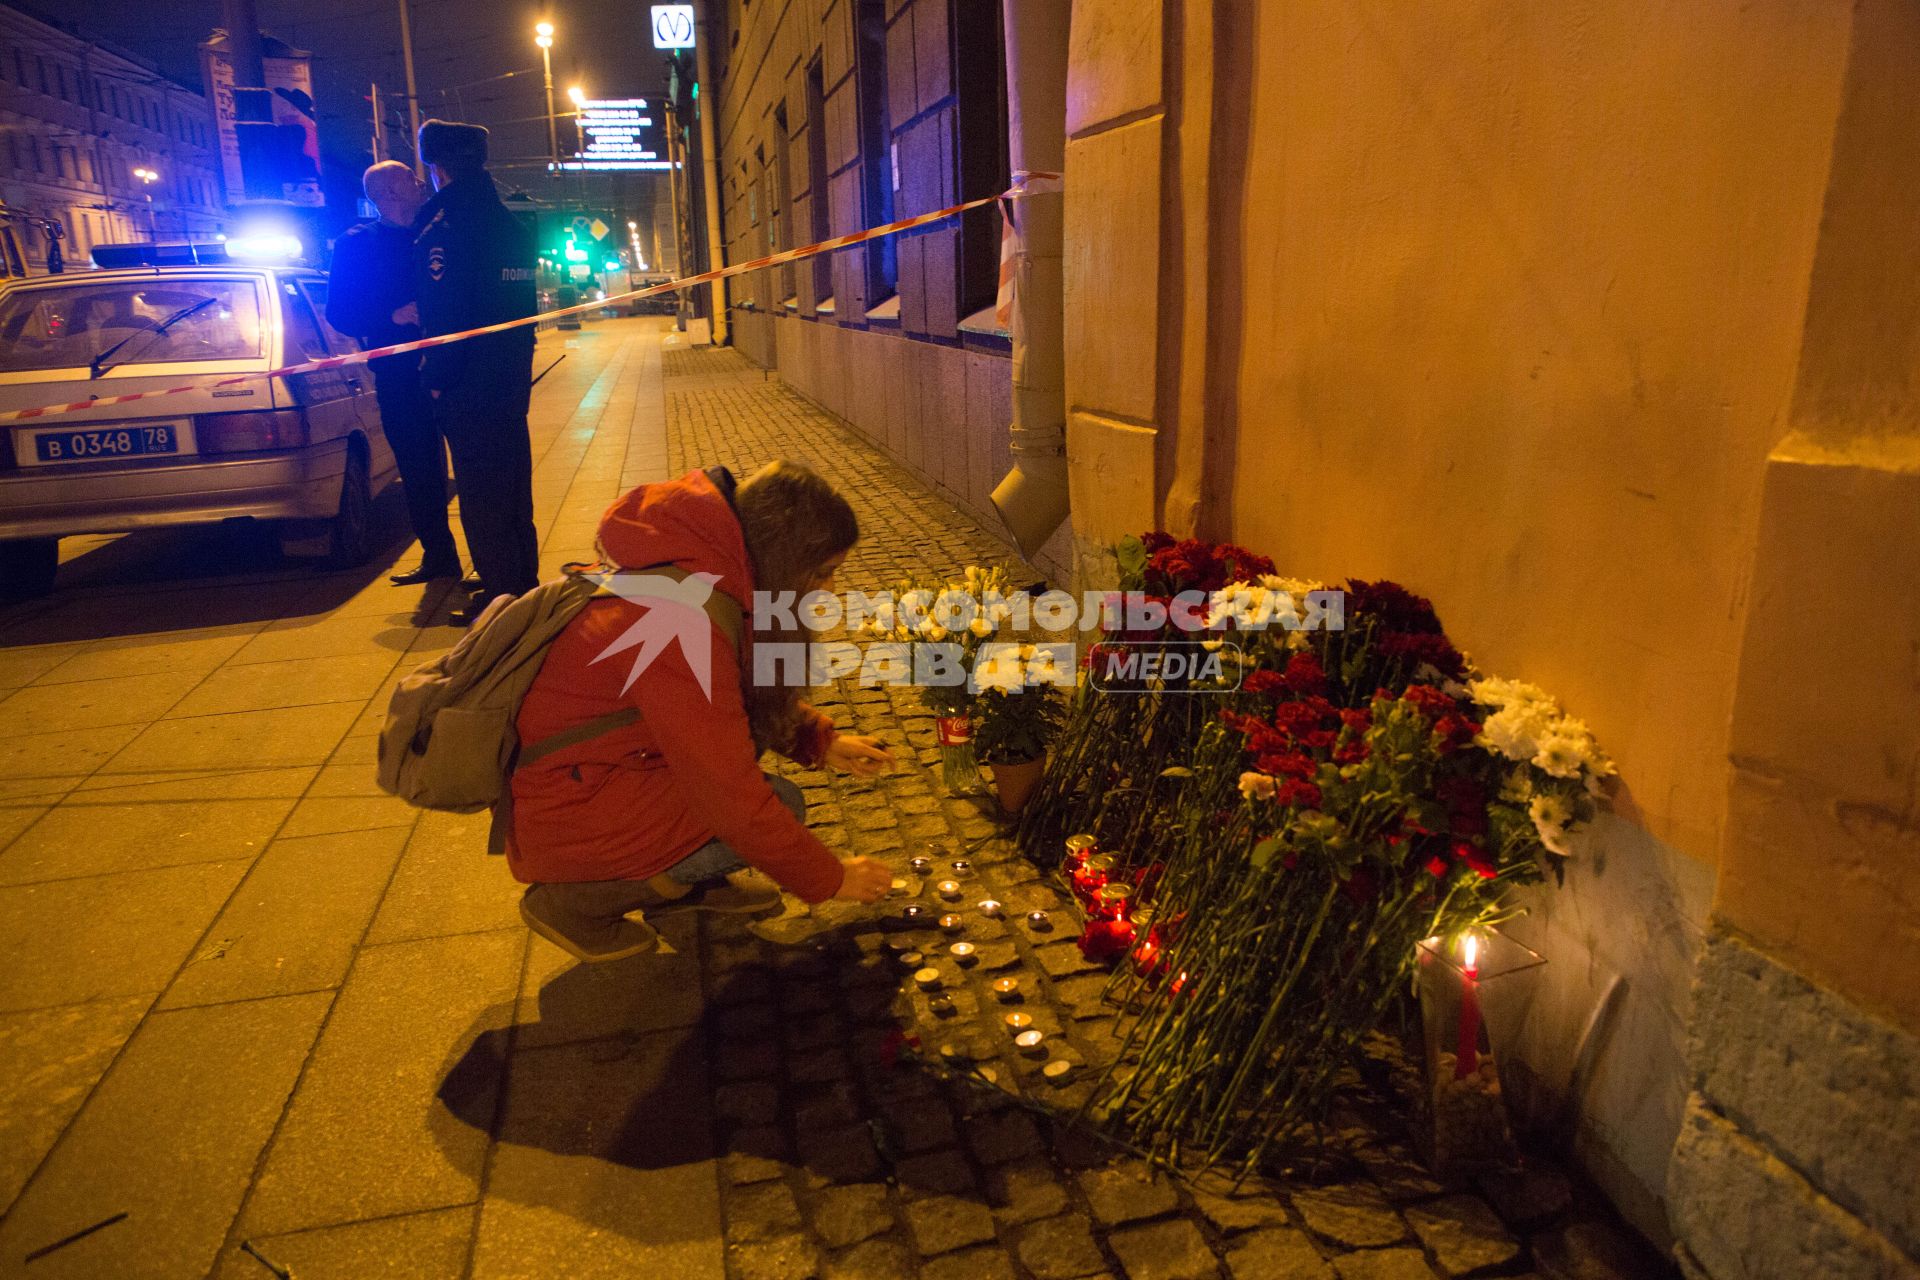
point(686, 522)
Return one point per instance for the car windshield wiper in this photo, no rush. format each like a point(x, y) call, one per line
point(99, 364)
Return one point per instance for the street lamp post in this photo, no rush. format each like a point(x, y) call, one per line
point(578, 97)
point(543, 36)
point(147, 178)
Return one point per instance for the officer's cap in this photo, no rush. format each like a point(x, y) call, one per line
point(452, 145)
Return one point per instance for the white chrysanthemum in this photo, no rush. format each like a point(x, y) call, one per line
point(1560, 755)
point(1551, 818)
point(1001, 671)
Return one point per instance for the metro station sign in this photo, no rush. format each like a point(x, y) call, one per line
point(673, 26)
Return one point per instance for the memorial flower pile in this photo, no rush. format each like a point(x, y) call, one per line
point(1271, 852)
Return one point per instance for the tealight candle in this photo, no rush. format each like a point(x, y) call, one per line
point(911, 959)
point(1039, 921)
point(948, 889)
point(1008, 989)
point(898, 886)
point(920, 865)
point(962, 951)
point(915, 912)
point(962, 867)
point(990, 908)
point(942, 1006)
point(1057, 1070)
point(1031, 1042)
point(953, 923)
point(1019, 1021)
point(927, 979)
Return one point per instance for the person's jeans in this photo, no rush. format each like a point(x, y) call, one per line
point(406, 415)
point(716, 857)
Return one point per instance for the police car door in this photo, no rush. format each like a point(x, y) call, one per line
point(324, 396)
point(359, 379)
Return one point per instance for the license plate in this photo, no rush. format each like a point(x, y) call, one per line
point(97, 444)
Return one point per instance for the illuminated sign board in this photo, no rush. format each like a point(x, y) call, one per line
point(673, 26)
point(619, 134)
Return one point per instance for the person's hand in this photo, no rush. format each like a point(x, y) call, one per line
point(864, 880)
point(409, 314)
point(860, 754)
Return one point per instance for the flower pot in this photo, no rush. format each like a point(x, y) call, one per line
point(1013, 783)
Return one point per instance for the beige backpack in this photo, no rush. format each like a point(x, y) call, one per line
point(450, 740)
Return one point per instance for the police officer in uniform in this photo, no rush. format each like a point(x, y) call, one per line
point(473, 266)
point(372, 298)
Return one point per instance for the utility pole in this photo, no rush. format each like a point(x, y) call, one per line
point(252, 104)
point(379, 128)
point(710, 171)
point(413, 90)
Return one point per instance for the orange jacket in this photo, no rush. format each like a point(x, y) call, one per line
point(632, 802)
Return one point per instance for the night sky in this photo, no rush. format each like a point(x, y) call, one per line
point(603, 45)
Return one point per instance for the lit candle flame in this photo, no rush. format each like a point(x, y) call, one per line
point(1470, 952)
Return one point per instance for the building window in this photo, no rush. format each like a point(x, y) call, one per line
point(876, 155)
point(819, 215)
point(40, 69)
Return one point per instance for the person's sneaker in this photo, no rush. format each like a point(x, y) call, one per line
point(594, 940)
point(741, 893)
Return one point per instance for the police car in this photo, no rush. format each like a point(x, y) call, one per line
point(305, 452)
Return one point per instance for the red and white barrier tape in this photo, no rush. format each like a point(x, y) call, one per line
point(1030, 184)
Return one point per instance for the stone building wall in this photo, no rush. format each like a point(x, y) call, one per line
point(837, 115)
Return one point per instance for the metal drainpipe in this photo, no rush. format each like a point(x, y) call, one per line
point(710, 171)
point(1032, 497)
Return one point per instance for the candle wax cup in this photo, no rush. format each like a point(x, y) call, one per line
point(920, 866)
point(1006, 988)
point(911, 959)
point(948, 889)
point(927, 978)
point(962, 951)
point(961, 868)
point(1019, 1021)
point(1039, 920)
point(952, 923)
point(990, 908)
point(1057, 1069)
point(1031, 1041)
point(941, 1006)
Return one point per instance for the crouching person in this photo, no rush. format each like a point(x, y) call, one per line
point(650, 800)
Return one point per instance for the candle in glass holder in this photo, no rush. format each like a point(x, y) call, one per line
point(920, 865)
point(1039, 921)
point(927, 979)
point(1007, 989)
point(948, 889)
point(1091, 875)
point(962, 952)
point(990, 908)
point(1111, 901)
point(1019, 1021)
point(1032, 1041)
point(1079, 849)
point(952, 922)
point(1467, 1051)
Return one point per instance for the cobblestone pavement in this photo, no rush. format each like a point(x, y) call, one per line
point(842, 1161)
point(251, 1003)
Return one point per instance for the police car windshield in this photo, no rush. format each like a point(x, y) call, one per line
point(70, 326)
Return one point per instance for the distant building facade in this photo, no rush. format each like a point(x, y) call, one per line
point(77, 119)
point(836, 115)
